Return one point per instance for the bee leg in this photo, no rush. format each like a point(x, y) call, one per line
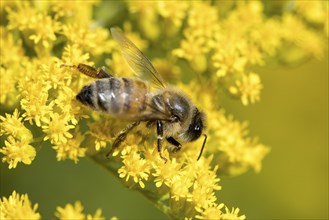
point(160, 137)
point(90, 71)
point(121, 137)
point(177, 145)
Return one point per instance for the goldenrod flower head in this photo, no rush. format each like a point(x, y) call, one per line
point(92, 39)
point(180, 187)
point(16, 151)
point(17, 148)
point(13, 53)
point(57, 129)
point(18, 207)
point(68, 106)
point(12, 125)
point(70, 149)
point(39, 27)
point(35, 101)
point(101, 132)
point(248, 88)
point(173, 11)
point(134, 166)
point(147, 10)
point(70, 211)
point(313, 11)
point(199, 36)
point(72, 54)
point(228, 60)
point(74, 11)
point(232, 215)
point(165, 172)
point(213, 211)
point(98, 216)
point(51, 71)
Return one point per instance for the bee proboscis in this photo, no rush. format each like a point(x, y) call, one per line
point(176, 118)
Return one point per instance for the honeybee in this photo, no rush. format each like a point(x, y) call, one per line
point(175, 117)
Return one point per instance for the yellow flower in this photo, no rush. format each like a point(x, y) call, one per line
point(313, 11)
point(34, 95)
point(75, 212)
point(13, 53)
point(253, 154)
point(17, 151)
point(18, 207)
point(66, 102)
point(57, 129)
point(202, 196)
point(308, 41)
point(213, 211)
point(98, 216)
point(232, 215)
point(53, 73)
point(199, 35)
point(70, 149)
point(91, 39)
point(39, 27)
point(228, 60)
point(248, 88)
point(166, 172)
point(12, 125)
point(101, 132)
point(174, 11)
point(45, 29)
point(70, 211)
point(180, 187)
point(8, 92)
point(134, 166)
point(72, 54)
point(74, 11)
point(147, 10)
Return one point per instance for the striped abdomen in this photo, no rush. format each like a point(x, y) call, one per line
point(122, 97)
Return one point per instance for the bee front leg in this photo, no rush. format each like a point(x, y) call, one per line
point(160, 137)
point(121, 137)
point(177, 145)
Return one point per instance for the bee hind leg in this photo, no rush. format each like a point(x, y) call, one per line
point(160, 137)
point(121, 137)
point(177, 145)
point(89, 70)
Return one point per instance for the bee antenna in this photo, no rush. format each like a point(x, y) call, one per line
point(204, 143)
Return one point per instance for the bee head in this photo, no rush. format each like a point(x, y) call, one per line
point(196, 126)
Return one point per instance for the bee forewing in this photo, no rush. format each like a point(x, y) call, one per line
point(137, 61)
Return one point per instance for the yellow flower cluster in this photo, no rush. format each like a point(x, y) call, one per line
point(228, 45)
point(17, 148)
point(180, 189)
point(20, 207)
point(220, 42)
point(70, 211)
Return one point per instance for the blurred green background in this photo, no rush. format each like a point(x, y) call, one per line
point(291, 118)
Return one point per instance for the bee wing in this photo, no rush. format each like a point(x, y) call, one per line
point(137, 61)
